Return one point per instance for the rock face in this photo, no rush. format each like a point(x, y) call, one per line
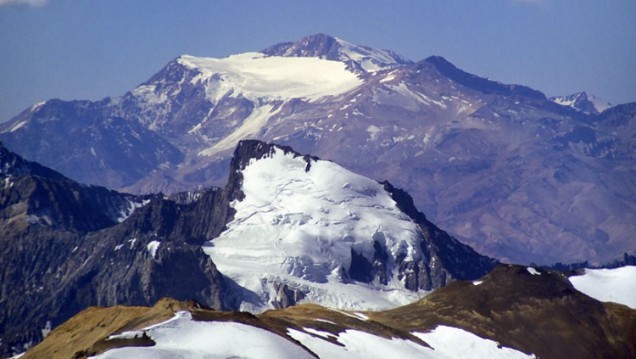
point(505, 169)
point(33, 194)
point(81, 140)
point(66, 246)
point(458, 261)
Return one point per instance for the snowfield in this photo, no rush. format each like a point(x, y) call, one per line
point(358, 344)
point(254, 75)
point(297, 225)
point(450, 342)
point(609, 285)
point(181, 338)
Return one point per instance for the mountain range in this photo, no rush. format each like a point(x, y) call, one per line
point(514, 174)
point(285, 229)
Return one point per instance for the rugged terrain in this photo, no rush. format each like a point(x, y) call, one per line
point(67, 246)
point(514, 174)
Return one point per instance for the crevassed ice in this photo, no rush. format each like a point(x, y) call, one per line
point(298, 224)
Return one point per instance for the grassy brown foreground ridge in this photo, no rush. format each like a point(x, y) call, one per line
point(540, 314)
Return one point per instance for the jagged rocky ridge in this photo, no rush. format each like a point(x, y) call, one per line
point(53, 268)
point(516, 312)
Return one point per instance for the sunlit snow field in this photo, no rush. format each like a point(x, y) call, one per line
point(183, 338)
point(609, 285)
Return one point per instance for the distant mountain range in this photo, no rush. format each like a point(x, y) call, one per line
point(514, 174)
point(286, 229)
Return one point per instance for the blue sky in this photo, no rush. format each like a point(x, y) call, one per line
point(80, 49)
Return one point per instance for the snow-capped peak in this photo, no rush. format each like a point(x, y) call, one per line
point(358, 58)
point(583, 101)
point(300, 225)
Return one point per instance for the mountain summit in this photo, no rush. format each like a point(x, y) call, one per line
point(358, 58)
point(501, 166)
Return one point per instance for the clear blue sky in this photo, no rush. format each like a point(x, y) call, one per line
point(81, 49)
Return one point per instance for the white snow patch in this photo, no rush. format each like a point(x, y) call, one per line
point(255, 76)
point(132, 334)
point(356, 315)
point(149, 94)
point(477, 282)
point(565, 101)
point(609, 285)
point(599, 104)
point(152, 248)
point(47, 329)
point(181, 338)
point(195, 128)
point(125, 212)
point(533, 271)
point(371, 60)
point(450, 342)
point(358, 344)
point(325, 321)
point(42, 219)
point(37, 106)
point(361, 316)
point(297, 226)
point(403, 90)
point(427, 138)
point(572, 100)
point(17, 126)
point(132, 242)
point(319, 333)
point(7, 182)
point(373, 132)
point(389, 77)
point(251, 126)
